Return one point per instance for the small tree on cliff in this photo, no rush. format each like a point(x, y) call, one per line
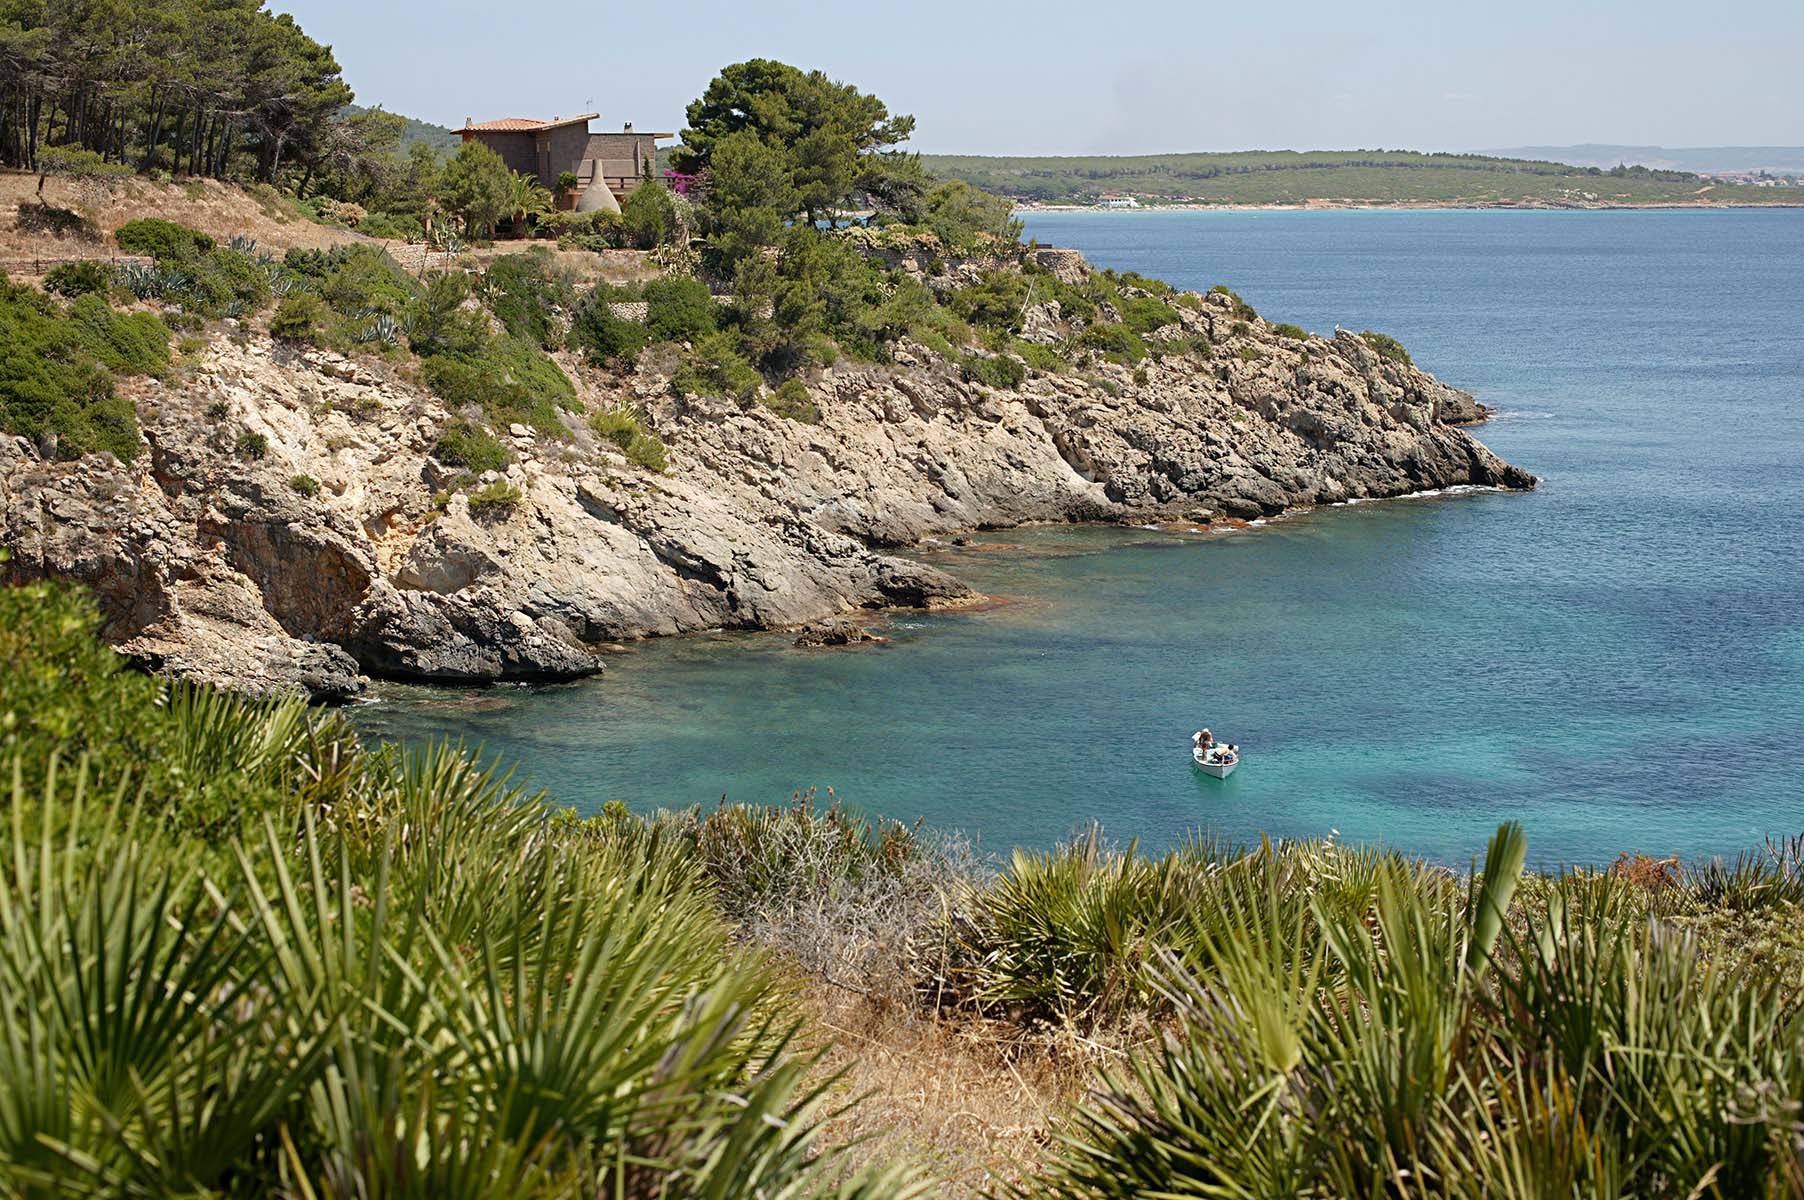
point(830, 138)
point(478, 187)
point(750, 198)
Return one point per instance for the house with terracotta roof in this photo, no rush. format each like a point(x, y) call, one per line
point(607, 166)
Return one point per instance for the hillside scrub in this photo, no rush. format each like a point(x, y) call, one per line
point(624, 427)
point(58, 369)
point(463, 443)
point(1387, 347)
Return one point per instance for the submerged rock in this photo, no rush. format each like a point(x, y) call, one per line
point(835, 633)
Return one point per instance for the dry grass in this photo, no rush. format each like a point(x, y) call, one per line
point(973, 1102)
point(204, 204)
point(223, 211)
point(584, 266)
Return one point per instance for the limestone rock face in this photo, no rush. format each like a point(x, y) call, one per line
point(345, 548)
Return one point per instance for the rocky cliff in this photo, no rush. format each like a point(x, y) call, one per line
point(289, 525)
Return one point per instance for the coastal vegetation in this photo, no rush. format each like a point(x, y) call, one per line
point(245, 954)
point(60, 365)
point(1290, 177)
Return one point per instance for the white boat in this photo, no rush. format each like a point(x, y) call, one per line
point(1218, 760)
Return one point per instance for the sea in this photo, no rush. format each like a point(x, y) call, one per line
point(1615, 660)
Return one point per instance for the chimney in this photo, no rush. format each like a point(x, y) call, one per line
point(629, 127)
point(469, 122)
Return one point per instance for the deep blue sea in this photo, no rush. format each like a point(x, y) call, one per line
point(1616, 660)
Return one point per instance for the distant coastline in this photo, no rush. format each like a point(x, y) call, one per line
point(1411, 206)
point(1349, 178)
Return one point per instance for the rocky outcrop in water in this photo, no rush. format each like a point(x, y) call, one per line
point(290, 527)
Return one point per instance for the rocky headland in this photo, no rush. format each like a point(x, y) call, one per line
point(289, 525)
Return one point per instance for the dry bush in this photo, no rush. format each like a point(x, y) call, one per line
point(974, 1102)
point(1649, 874)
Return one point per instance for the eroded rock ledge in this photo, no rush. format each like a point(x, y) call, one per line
point(218, 565)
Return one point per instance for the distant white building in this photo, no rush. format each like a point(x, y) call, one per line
point(1117, 201)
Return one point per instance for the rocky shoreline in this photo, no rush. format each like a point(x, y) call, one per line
point(337, 551)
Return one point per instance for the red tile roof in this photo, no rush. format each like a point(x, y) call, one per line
point(526, 124)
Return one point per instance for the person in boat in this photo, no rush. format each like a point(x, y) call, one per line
point(1203, 740)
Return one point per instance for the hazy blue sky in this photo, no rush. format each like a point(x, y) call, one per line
point(1109, 76)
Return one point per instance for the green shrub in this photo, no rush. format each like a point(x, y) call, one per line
point(125, 343)
point(649, 216)
point(394, 226)
point(1143, 314)
point(679, 309)
point(624, 427)
point(648, 451)
point(221, 282)
point(366, 281)
point(304, 485)
point(53, 384)
point(1147, 283)
point(300, 318)
point(597, 231)
point(791, 399)
point(79, 278)
point(522, 291)
point(1387, 347)
point(1040, 357)
point(1242, 309)
point(437, 321)
point(963, 216)
point(716, 367)
point(181, 752)
point(1295, 333)
point(251, 445)
point(508, 378)
point(162, 240)
point(494, 499)
point(603, 334)
point(994, 302)
point(1196, 343)
point(1249, 354)
point(1117, 343)
point(463, 443)
point(317, 264)
point(997, 371)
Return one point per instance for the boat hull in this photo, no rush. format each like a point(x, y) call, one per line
point(1221, 770)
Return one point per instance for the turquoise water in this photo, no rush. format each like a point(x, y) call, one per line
point(1617, 660)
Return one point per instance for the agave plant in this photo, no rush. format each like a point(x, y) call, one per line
point(144, 282)
point(377, 327)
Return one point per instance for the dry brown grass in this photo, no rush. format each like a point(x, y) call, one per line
point(223, 211)
point(973, 1102)
point(204, 204)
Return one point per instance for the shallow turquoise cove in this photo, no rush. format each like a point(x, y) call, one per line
point(1617, 659)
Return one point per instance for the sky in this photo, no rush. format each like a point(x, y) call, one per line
point(1108, 77)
